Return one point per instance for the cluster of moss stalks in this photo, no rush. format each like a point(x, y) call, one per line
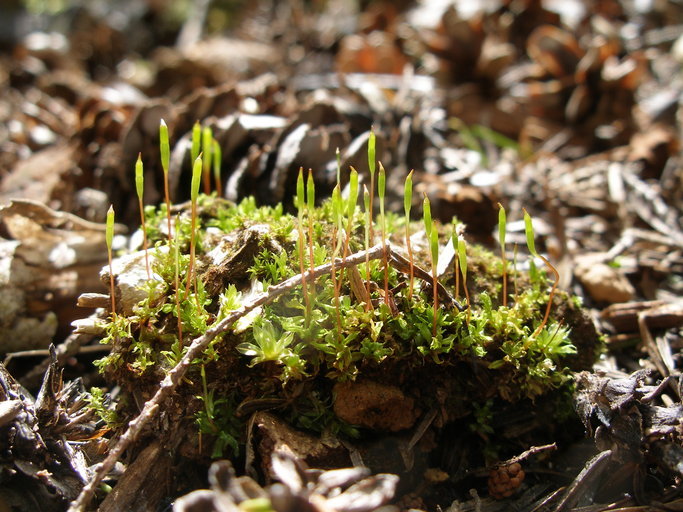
point(480, 329)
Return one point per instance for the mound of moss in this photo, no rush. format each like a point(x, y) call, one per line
point(359, 351)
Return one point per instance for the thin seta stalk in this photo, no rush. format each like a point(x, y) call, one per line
point(140, 189)
point(429, 226)
point(514, 269)
point(176, 250)
point(368, 220)
point(338, 228)
point(456, 263)
point(529, 231)
point(301, 206)
point(434, 246)
point(350, 209)
point(109, 237)
point(407, 203)
point(165, 150)
point(381, 187)
point(462, 259)
point(433, 241)
point(502, 222)
point(194, 192)
point(310, 210)
point(337, 213)
point(195, 156)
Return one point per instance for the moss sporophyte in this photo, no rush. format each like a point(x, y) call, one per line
point(280, 308)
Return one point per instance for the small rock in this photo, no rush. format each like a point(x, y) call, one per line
point(602, 282)
point(373, 405)
point(92, 325)
point(130, 273)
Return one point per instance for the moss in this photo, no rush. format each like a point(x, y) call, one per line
point(280, 358)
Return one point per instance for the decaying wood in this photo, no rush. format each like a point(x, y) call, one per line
point(33, 432)
point(49, 258)
point(659, 314)
point(144, 483)
point(585, 481)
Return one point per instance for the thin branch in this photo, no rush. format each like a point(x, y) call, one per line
point(400, 263)
point(534, 450)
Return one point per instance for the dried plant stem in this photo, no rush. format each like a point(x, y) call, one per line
point(407, 204)
point(345, 253)
point(350, 212)
point(311, 285)
point(434, 243)
point(456, 273)
point(462, 256)
point(411, 260)
point(386, 276)
point(550, 295)
point(337, 305)
point(307, 300)
point(382, 188)
point(300, 205)
point(529, 229)
point(112, 287)
point(436, 300)
point(368, 223)
point(144, 238)
point(368, 304)
point(165, 153)
point(310, 209)
point(514, 270)
point(177, 280)
point(505, 278)
point(372, 193)
point(198, 345)
point(168, 207)
point(190, 266)
point(467, 298)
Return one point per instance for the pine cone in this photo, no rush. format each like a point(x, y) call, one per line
point(504, 480)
